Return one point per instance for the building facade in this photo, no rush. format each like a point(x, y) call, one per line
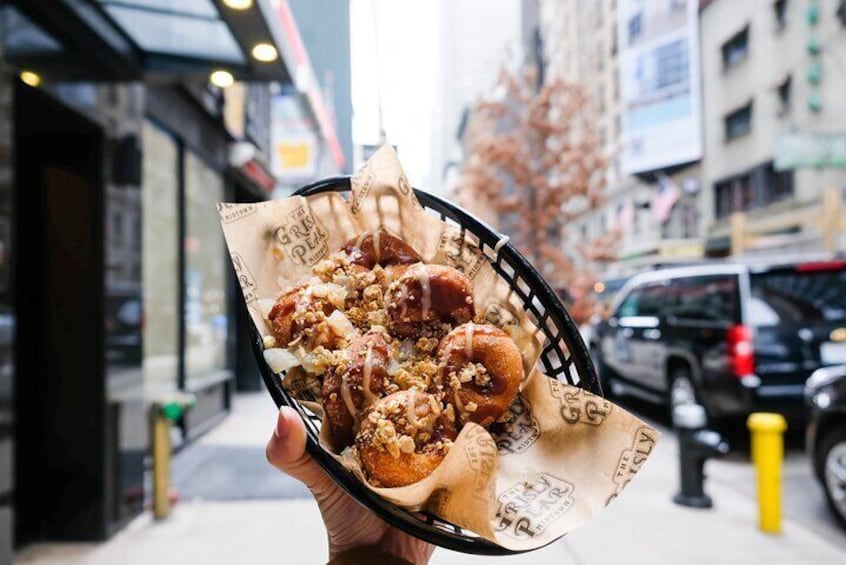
point(476, 39)
point(771, 71)
point(116, 146)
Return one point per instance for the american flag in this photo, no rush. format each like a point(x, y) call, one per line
point(625, 215)
point(667, 196)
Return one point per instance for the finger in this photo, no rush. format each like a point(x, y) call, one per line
point(286, 450)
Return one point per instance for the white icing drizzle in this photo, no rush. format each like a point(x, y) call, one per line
point(500, 244)
point(377, 248)
point(426, 290)
point(347, 397)
point(366, 372)
point(411, 413)
point(362, 236)
point(468, 340)
point(403, 300)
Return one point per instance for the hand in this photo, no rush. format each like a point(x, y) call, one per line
point(348, 524)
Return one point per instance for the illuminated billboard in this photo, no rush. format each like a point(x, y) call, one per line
point(659, 83)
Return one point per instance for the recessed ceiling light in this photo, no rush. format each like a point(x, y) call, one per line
point(238, 4)
point(221, 78)
point(30, 78)
point(265, 52)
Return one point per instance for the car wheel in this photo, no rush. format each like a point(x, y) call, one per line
point(831, 464)
point(603, 372)
point(682, 390)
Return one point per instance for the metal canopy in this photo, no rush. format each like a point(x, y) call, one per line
point(154, 40)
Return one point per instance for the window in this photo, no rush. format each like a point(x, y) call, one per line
point(160, 262)
point(783, 91)
point(671, 62)
point(780, 12)
point(635, 26)
point(739, 122)
point(758, 187)
point(736, 48)
point(790, 297)
point(205, 273)
point(707, 298)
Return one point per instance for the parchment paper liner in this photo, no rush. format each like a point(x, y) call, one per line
point(565, 453)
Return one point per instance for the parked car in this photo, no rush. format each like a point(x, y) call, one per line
point(825, 393)
point(733, 337)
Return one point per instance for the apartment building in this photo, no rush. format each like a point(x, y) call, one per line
point(629, 57)
point(774, 113)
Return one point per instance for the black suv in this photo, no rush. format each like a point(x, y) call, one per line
point(733, 337)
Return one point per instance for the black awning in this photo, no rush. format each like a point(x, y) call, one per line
point(159, 40)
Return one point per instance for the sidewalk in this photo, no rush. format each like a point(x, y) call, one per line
point(643, 526)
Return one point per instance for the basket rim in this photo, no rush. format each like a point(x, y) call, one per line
point(394, 515)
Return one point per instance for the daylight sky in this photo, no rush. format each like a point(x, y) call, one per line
point(403, 55)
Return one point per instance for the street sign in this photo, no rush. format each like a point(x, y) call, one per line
point(794, 151)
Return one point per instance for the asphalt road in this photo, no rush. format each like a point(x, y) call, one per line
point(802, 497)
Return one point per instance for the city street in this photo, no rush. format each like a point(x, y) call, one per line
point(236, 508)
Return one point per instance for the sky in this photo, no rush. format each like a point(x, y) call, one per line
point(402, 59)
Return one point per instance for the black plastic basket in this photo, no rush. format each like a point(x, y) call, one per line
point(564, 357)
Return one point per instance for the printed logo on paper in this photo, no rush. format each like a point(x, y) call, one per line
point(362, 182)
point(632, 459)
point(245, 278)
point(498, 316)
point(481, 455)
point(579, 406)
point(303, 237)
point(529, 507)
point(460, 253)
point(405, 189)
point(233, 212)
point(517, 429)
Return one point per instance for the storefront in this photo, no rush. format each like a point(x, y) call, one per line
point(115, 286)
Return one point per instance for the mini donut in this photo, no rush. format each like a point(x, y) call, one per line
point(481, 372)
point(403, 438)
point(423, 295)
point(353, 385)
point(300, 314)
point(369, 249)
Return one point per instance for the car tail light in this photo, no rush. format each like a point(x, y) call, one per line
point(820, 266)
point(741, 352)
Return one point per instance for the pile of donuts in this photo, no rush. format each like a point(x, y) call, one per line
point(401, 357)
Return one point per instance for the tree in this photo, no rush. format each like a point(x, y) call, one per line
point(534, 164)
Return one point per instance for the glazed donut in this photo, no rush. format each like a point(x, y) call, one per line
point(426, 294)
point(300, 314)
point(369, 249)
point(353, 385)
point(403, 438)
point(481, 372)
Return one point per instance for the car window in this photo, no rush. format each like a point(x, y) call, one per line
point(643, 301)
point(652, 301)
point(707, 298)
point(629, 305)
point(780, 297)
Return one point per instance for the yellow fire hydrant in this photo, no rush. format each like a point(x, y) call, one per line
point(767, 454)
point(163, 413)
